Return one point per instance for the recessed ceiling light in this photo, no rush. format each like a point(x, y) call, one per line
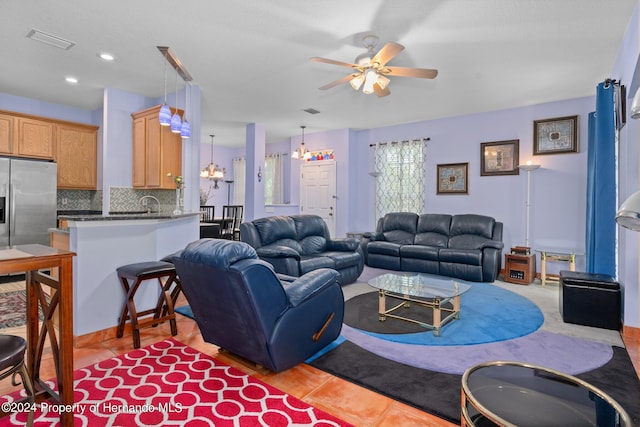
point(106, 56)
point(71, 79)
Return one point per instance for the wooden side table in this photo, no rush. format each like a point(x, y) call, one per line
point(559, 255)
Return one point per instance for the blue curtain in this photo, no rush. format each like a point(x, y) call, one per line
point(601, 184)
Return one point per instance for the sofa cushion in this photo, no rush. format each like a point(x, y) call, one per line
point(384, 248)
point(477, 225)
point(399, 227)
point(429, 253)
point(310, 232)
point(313, 262)
point(343, 259)
point(433, 230)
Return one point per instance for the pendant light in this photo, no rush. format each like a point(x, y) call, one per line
point(176, 121)
point(212, 172)
point(185, 130)
point(302, 152)
point(164, 116)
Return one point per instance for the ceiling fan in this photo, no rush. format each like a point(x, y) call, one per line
point(371, 69)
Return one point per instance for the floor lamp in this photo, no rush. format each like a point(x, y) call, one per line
point(229, 182)
point(528, 167)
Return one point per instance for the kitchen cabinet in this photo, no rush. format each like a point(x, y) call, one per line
point(157, 152)
point(35, 138)
point(6, 134)
point(76, 155)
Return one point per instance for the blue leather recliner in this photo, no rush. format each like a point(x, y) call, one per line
point(242, 306)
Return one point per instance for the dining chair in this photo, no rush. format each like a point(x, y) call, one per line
point(232, 217)
point(207, 213)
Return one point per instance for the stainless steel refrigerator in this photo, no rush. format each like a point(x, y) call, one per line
point(27, 201)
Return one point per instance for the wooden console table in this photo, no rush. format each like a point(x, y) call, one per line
point(560, 255)
point(30, 259)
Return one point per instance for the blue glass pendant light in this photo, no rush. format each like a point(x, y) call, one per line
point(176, 121)
point(185, 130)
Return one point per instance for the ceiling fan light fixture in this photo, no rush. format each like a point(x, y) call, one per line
point(357, 81)
point(371, 77)
point(382, 81)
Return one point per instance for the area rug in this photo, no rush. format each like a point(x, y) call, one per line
point(171, 384)
point(413, 367)
point(487, 314)
point(13, 309)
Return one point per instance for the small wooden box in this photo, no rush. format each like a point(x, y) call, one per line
point(520, 269)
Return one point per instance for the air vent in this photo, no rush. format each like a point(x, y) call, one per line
point(50, 39)
point(311, 111)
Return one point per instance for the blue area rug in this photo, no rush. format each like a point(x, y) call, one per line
point(488, 314)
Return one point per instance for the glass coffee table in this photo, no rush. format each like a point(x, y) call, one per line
point(424, 290)
point(503, 393)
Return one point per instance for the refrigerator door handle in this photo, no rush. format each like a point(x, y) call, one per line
point(12, 213)
point(3, 206)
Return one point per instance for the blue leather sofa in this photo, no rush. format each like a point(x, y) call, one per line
point(467, 247)
point(298, 244)
point(241, 305)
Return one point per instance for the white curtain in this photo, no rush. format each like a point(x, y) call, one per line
point(273, 179)
point(400, 184)
point(239, 168)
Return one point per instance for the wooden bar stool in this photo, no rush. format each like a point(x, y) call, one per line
point(165, 273)
point(12, 349)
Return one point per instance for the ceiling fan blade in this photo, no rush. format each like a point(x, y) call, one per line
point(387, 53)
point(379, 91)
point(337, 82)
point(334, 62)
point(422, 73)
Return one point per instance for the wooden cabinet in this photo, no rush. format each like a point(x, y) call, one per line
point(35, 138)
point(77, 156)
point(6, 134)
point(74, 146)
point(157, 152)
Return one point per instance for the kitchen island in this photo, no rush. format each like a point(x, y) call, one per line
point(102, 244)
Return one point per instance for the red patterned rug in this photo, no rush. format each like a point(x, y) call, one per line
point(171, 384)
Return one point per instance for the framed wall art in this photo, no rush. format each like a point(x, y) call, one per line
point(499, 158)
point(555, 136)
point(453, 178)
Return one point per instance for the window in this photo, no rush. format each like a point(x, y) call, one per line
point(400, 186)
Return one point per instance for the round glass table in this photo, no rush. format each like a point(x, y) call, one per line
point(518, 394)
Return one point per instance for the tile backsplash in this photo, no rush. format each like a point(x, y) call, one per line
point(121, 199)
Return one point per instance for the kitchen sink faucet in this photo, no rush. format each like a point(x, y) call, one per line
point(143, 202)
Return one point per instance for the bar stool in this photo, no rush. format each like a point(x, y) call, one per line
point(139, 273)
point(12, 350)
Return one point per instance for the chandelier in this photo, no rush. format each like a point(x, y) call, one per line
point(302, 152)
point(213, 171)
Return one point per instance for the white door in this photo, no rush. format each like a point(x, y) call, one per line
point(318, 191)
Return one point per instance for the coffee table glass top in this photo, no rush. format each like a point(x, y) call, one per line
point(420, 285)
point(512, 393)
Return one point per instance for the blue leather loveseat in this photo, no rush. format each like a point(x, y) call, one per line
point(298, 244)
point(242, 306)
point(467, 247)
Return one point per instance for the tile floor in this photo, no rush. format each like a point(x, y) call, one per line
point(343, 399)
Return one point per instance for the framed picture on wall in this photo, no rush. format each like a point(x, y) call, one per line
point(453, 178)
point(499, 158)
point(555, 136)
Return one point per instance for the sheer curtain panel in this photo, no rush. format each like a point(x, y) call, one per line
point(239, 168)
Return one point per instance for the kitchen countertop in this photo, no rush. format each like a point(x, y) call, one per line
point(115, 216)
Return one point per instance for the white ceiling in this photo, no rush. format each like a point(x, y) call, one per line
point(251, 57)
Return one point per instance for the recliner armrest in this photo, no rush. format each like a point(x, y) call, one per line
point(277, 252)
point(308, 285)
point(493, 244)
point(375, 236)
point(347, 244)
